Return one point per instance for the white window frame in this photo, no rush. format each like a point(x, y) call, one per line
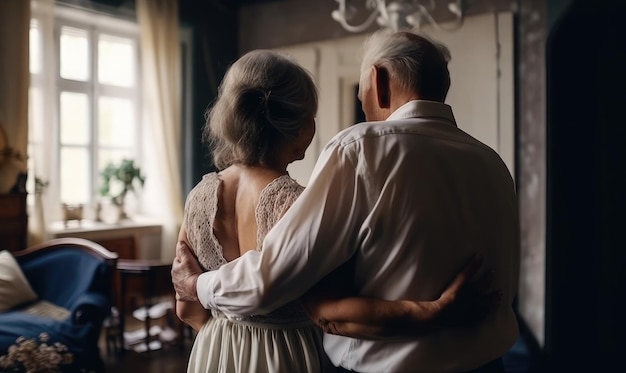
point(96, 25)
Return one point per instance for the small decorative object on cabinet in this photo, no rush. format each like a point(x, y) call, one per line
point(13, 221)
point(72, 212)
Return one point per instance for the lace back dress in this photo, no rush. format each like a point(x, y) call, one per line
point(284, 340)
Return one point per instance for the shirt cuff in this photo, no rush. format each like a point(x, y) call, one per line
point(204, 288)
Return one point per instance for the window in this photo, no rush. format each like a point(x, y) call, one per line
point(93, 118)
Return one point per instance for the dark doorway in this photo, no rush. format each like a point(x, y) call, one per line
point(586, 158)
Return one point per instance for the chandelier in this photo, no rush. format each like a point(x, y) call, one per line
point(399, 14)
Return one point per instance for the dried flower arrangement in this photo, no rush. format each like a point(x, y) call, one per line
point(30, 355)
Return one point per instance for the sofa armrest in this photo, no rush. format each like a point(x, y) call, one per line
point(90, 308)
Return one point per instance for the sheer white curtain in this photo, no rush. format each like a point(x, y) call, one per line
point(42, 162)
point(161, 76)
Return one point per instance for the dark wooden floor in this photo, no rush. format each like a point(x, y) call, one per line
point(167, 360)
point(522, 358)
point(170, 358)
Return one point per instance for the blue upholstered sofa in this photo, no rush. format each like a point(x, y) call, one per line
point(72, 279)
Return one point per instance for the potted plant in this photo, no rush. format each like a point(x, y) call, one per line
point(118, 180)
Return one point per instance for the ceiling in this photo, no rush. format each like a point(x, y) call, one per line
point(183, 3)
point(225, 3)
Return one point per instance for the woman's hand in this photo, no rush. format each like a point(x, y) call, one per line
point(336, 310)
point(469, 297)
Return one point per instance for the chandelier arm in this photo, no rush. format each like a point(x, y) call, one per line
point(382, 9)
point(426, 13)
point(433, 5)
point(341, 18)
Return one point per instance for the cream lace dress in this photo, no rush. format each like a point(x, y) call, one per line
point(282, 341)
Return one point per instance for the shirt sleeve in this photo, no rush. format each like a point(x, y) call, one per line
point(315, 236)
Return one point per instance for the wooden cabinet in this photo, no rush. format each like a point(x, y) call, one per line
point(13, 221)
point(123, 246)
point(130, 239)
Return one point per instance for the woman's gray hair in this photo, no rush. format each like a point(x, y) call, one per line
point(265, 98)
point(417, 63)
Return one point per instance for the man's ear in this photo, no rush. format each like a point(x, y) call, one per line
point(383, 91)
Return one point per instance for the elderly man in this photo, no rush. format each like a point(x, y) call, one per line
point(408, 197)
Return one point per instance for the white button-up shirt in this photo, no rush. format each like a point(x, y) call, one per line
point(412, 198)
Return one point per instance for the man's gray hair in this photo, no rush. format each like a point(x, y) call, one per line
point(416, 62)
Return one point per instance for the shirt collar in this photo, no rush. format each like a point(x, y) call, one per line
point(423, 108)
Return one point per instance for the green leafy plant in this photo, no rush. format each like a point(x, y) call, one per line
point(119, 179)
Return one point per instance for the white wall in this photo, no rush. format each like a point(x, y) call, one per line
point(481, 94)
